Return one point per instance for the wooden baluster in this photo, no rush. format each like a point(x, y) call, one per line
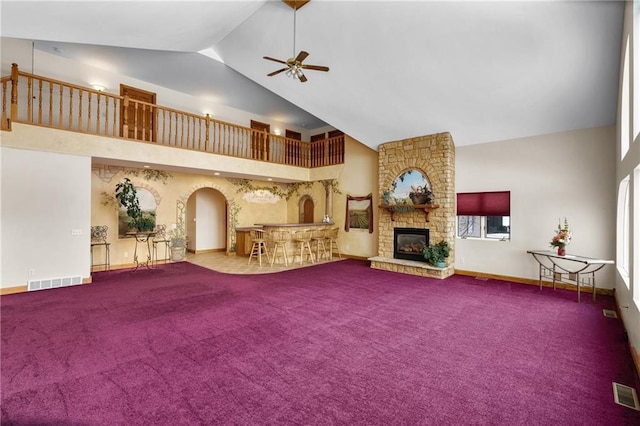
point(106, 117)
point(97, 113)
point(60, 107)
point(189, 135)
point(70, 125)
point(125, 117)
point(89, 112)
point(14, 92)
point(5, 122)
point(164, 124)
point(50, 116)
point(29, 100)
point(181, 130)
point(79, 126)
point(39, 101)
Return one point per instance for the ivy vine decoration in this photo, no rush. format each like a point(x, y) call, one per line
point(334, 185)
point(150, 174)
point(108, 200)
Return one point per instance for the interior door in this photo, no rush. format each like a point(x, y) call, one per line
point(260, 140)
point(308, 211)
point(141, 117)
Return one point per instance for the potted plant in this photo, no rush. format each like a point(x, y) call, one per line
point(127, 196)
point(436, 254)
point(178, 244)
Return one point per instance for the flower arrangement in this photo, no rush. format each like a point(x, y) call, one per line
point(563, 235)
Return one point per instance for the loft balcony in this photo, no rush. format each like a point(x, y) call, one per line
point(40, 101)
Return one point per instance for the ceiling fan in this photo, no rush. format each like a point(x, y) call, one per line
point(294, 65)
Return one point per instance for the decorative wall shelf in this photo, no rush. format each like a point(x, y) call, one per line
point(425, 207)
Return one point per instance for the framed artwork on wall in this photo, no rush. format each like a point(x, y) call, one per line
point(148, 208)
point(359, 213)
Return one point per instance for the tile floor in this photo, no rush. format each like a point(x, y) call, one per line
point(220, 262)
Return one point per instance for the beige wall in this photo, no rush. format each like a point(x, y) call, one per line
point(359, 177)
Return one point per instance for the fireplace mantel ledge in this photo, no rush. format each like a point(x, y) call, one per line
point(411, 267)
point(426, 207)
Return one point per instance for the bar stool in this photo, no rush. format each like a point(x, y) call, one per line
point(318, 237)
point(303, 240)
point(332, 239)
point(279, 240)
point(99, 238)
point(259, 246)
point(160, 238)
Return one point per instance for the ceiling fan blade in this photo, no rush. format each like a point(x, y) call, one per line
point(301, 56)
point(315, 67)
point(274, 60)
point(302, 78)
point(271, 74)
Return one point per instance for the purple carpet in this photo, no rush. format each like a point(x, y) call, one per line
point(337, 343)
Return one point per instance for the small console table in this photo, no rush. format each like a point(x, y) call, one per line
point(553, 266)
point(142, 237)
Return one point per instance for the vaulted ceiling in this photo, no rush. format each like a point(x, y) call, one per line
point(484, 71)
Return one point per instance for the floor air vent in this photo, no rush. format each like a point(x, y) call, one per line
point(609, 313)
point(53, 283)
point(625, 396)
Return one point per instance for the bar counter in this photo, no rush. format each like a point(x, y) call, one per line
point(243, 238)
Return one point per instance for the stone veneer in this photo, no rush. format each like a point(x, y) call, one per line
point(434, 156)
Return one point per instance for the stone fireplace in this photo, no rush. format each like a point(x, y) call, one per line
point(434, 157)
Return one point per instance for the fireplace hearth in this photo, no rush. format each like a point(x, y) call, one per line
point(409, 242)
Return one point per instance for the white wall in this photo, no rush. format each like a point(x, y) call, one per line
point(568, 174)
point(44, 197)
point(210, 220)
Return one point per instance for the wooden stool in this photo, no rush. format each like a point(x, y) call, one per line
point(279, 240)
point(332, 239)
point(318, 237)
point(259, 247)
point(303, 239)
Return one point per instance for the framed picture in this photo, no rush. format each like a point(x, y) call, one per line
point(359, 213)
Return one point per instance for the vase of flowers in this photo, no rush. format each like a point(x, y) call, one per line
point(562, 237)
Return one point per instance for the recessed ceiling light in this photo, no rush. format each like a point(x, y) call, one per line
point(146, 167)
point(217, 173)
point(269, 179)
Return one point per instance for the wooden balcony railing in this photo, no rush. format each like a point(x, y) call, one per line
point(36, 100)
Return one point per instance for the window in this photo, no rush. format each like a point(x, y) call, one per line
point(624, 233)
point(636, 236)
point(636, 61)
point(625, 104)
point(485, 215)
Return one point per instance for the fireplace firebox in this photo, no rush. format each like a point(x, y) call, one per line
point(409, 242)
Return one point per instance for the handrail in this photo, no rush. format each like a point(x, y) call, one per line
point(43, 101)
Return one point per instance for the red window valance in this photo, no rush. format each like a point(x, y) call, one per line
point(484, 203)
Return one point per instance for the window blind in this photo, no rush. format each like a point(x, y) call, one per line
point(484, 203)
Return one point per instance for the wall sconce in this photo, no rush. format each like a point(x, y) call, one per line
point(277, 132)
point(98, 87)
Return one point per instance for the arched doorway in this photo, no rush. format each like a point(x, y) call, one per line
point(206, 221)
